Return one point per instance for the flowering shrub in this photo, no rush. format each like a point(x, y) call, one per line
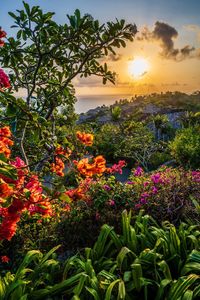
point(19, 190)
point(165, 193)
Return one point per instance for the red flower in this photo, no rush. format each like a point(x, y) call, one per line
point(4, 258)
point(2, 35)
point(4, 80)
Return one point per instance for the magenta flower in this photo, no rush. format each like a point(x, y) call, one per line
point(138, 172)
point(107, 187)
point(143, 201)
point(154, 190)
point(4, 80)
point(156, 178)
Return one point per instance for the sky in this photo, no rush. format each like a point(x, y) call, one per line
point(166, 48)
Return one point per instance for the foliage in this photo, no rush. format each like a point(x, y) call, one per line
point(43, 60)
point(138, 143)
point(185, 148)
point(107, 139)
point(144, 261)
point(116, 113)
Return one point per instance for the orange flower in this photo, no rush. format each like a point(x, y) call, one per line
point(61, 151)
point(5, 142)
point(85, 138)
point(58, 166)
point(98, 167)
point(100, 164)
point(5, 189)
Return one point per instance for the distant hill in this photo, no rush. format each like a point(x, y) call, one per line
point(138, 107)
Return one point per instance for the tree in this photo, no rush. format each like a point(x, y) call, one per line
point(43, 60)
point(138, 143)
point(185, 148)
point(116, 113)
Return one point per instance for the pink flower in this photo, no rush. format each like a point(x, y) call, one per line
point(154, 190)
point(138, 206)
point(107, 187)
point(156, 178)
point(138, 172)
point(145, 195)
point(130, 182)
point(143, 201)
point(117, 168)
point(97, 216)
point(111, 202)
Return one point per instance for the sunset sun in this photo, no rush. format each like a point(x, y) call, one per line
point(138, 67)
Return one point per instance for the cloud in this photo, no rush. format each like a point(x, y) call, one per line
point(165, 34)
point(195, 28)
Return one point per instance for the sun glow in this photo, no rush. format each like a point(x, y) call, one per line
point(138, 67)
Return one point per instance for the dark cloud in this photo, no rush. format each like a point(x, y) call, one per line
point(186, 51)
point(165, 34)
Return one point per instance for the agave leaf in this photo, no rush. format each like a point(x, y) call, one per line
point(44, 259)
point(99, 247)
point(57, 289)
point(181, 286)
point(188, 295)
point(30, 256)
point(165, 269)
point(110, 288)
point(197, 292)
point(121, 290)
point(70, 262)
point(122, 256)
point(161, 290)
point(78, 289)
point(137, 275)
point(191, 267)
point(93, 293)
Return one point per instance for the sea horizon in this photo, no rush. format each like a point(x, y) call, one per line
point(85, 103)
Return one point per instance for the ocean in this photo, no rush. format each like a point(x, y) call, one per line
point(84, 103)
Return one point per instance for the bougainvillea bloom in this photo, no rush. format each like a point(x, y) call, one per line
point(117, 168)
point(138, 172)
point(97, 167)
point(4, 80)
point(85, 138)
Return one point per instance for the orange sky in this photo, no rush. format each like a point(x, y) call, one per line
point(180, 73)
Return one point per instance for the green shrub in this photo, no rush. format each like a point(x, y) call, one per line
point(186, 147)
